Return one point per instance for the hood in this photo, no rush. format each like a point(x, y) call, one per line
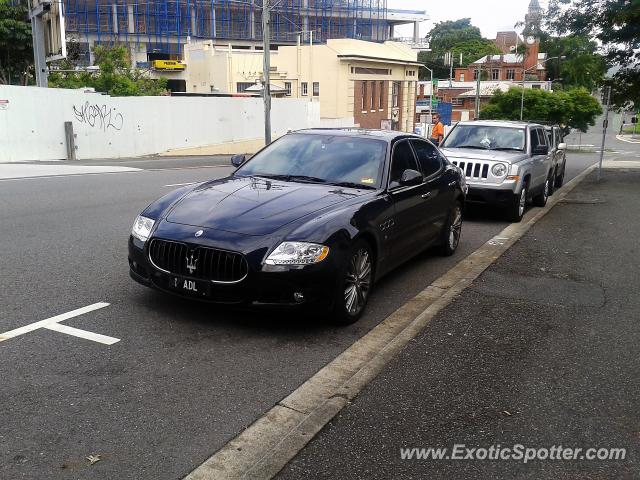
point(254, 206)
point(482, 154)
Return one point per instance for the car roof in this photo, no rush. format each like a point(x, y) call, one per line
point(387, 135)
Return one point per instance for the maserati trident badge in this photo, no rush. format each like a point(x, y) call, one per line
point(191, 263)
point(198, 233)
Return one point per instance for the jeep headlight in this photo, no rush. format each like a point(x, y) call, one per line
point(499, 170)
point(142, 228)
point(297, 253)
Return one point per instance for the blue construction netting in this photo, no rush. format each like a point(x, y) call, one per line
point(163, 25)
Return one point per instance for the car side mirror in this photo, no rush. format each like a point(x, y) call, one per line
point(238, 160)
point(562, 146)
point(541, 150)
point(410, 177)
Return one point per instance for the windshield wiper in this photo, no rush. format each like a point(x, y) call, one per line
point(352, 185)
point(292, 178)
point(507, 149)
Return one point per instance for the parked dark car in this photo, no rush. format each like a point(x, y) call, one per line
point(314, 218)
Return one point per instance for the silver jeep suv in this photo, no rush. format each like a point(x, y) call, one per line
point(505, 163)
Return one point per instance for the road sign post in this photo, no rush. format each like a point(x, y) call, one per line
point(606, 97)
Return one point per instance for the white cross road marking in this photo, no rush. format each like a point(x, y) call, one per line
point(52, 323)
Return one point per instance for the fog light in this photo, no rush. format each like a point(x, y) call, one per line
point(298, 297)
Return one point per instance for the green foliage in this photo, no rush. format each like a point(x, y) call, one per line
point(615, 24)
point(457, 36)
point(583, 66)
point(573, 108)
point(114, 77)
point(16, 51)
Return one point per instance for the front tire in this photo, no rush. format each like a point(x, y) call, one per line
point(450, 236)
point(515, 211)
point(354, 286)
point(540, 200)
point(560, 177)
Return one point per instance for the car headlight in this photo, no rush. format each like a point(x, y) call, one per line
point(297, 253)
point(499, 169)
point(142, 228)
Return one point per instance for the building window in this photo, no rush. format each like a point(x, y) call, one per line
point(381, 95)
point(242, 86)
point(395, 89)
point(287, 89)
point(370, 71)
point(457, 101)
point(303, 89)
point(475, 74)
point(373, 95)
point(511, 73)
point(316, 89)
point(536, 87)
point(495, 74)
point(462, 77)
point(364, 96)
point(411, 73)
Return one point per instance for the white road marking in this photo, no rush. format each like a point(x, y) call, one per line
point(76, 332)
point(180, 184)
point(53, 321)
point(30, 170)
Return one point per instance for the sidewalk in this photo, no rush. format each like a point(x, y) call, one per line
point(541, 351)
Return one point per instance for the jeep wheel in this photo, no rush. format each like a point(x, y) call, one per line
point(540, 200)
point(515, 210)
point(560, 176)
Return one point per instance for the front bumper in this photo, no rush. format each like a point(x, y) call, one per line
point(279, 286)
point(489, 196)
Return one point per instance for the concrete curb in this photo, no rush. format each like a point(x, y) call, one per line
point(265, 447)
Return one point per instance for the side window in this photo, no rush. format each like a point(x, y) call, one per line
point(543, 137)
point(428, 157)
point(401, 160)
point(535, 141)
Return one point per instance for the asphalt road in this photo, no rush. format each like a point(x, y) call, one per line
point(184, 378)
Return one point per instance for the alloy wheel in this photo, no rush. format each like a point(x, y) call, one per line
point(523, 202)
point(358, 281)
point(455, 229)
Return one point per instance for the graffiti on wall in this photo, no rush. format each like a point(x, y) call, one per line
point(99, 116)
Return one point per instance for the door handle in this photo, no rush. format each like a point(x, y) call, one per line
point(426, 195)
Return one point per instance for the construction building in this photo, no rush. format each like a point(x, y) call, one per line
point(158, 29)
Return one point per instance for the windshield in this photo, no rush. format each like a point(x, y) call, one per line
point(486, 138)
point(317, 158)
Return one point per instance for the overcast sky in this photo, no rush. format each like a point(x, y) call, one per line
point(490, 16)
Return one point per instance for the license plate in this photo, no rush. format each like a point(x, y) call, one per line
point(187, 286)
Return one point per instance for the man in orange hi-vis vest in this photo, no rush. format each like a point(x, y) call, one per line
point(437, 133)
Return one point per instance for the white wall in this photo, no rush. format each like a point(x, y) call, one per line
point(32, 122)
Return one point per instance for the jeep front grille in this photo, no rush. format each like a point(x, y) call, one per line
point(473, 170)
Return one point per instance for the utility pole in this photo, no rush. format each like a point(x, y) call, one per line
point(607, 101)
point(478, 92)
point(266, 67)
point(37, 33)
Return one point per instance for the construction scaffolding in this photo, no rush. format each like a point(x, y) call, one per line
point(164, 25)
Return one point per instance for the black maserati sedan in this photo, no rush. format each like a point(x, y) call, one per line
point(314, 219)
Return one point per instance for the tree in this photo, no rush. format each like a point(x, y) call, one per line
point(582, 66)
point(614, 23)
point(455, 36)
point(574, 108)
point(114, 75)
point(16, 50)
